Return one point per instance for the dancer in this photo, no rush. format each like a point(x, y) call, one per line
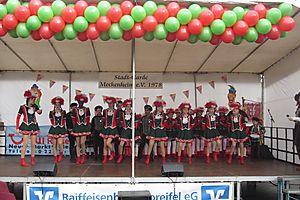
point(72, 139)
point(97, 127)
point(170, 129)
point(186, 133)
point(29, 126)
point(145, 130)
point(237, 124)
point(110, 129)
point(58, 130)
point(157, 131)
point(82, 128)
point(257, 132)
point(198, 130)
point(222, 126)
point(211, 132)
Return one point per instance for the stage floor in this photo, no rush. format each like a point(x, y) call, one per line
point(10, 168)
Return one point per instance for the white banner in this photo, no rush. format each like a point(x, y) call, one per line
point(159, 191)
point(124, 80)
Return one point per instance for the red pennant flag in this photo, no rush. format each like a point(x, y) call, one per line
point(39, 77)
point(159, 97)
point(212, 84)
point(199, 88)
point(77, 91)
point(186, 93)
point(224, 78)
point(146, 100)
point(51, 83)
point(91, 95)
point(173, 96)
point(104, 98)
point(64, 88)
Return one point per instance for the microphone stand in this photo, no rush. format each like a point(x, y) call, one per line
point(272, 123)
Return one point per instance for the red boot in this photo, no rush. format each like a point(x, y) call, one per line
point(148, 160)
point(55, 159)
point(190, 160)
point(120, 159)
point(78, 160)
point(163, 160)
point(178, 159)
point(242, 160)
point(208, 159)
point(60, 157)
point(112, 155)
point(82, 159)
point(32, 161)
point(104, 161)
point(216, 156)
point(23, 162)
point(229, 159)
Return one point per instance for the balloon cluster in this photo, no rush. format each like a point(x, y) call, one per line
point(151, 21)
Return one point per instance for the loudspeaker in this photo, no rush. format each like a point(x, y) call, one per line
point(134, 195)
point(172, 170)
point(45, 169)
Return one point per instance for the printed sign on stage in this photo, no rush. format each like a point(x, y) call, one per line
point(253, 109)
point(14, 142)
point(159, 191)
point(124, 80)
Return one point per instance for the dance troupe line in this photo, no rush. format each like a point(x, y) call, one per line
point(205, 129)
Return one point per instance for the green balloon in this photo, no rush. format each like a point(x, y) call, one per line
point(149, 36)
point(59, 36)
point(57, 7)
point(22, 30)
point(11, 5)
point(246, 10)
point(184, 16)
point(160, 33)
point(103, 7)
point(115, 31)
point(150, 7)
point(252, 35)
point(72, 5)
point(91, 14)
point(3, 11)
point(138, 13)
point(263, 26)
point(115, 4)
point(126, 22)
point(203, 8)
point(69, 32)
point(26, 4)
point(104, 36)
point(172, 24)
point(283, 34)
point(33, 23)
point(237, 40)
point(274, 15)
point(286, 9)
point(195, 9)
point(80, 24)
point(217, 27)
point(229, 18)
point(193, 39)
point(12, 33)
point(160, 5)
point(45, 13)
point(239, 11)
point(205, 35)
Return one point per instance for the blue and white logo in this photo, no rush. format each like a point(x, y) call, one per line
point(215, 192)
point(43, 193)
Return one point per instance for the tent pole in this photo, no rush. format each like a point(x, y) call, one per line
point(133, 110)
point(195, 90)
point(262, 80)
point(70, 87)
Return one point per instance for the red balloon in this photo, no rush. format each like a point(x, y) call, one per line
point(3, 30)
point(137, 31)
point(34, 6)
point(35, 35)
point(286, 24)
point(183, 34)
point(103, 24)
point(207, 17)
point(127, 35)
point(261, 10)
point(240, 28)
point(161, 14)
point(251, 18)
point(274, 34)
point(93, 4)
point(261, 38)
point(10, 21)
point(57, 24)
point(48, 4)
point(80, 7)
point(149, 23)
point(126, 7)
point(82, 36)
point(171, 37)
point(115, 14)
point(22, 13)
point(226, 9)
point(215, 40)
point(92, 32)
point(195, 26)
point(173, 8)
point(45, 31)
point(228, 35)
point(218, 10)
point(69, 14)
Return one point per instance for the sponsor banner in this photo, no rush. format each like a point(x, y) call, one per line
point(124, 80)
point(253, 109)
point(14, 142)
point(159, 191)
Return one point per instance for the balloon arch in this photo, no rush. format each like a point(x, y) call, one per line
point(149, 21)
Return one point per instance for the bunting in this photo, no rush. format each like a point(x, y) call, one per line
point(186, 93)
point(51, 83)
point(212, 84)
point(173, 96)
point(224, 78)
point(91, 95)
point(39, 77)
point(64, 88)
point(159, 97)
point(199, 88)
point(77, 91)
point(146, 100)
